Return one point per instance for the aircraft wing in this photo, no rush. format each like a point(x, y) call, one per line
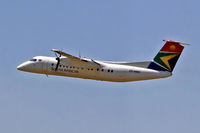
point(90, 61)
point(68, 55)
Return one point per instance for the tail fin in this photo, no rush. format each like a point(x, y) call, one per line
point(167, 57)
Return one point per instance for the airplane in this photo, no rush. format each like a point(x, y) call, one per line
point(68, 65)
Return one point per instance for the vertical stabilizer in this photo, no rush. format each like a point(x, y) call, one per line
point(168, 56)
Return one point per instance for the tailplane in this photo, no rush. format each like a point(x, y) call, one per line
point(168, 56)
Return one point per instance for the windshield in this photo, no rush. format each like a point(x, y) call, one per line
point(33, 60)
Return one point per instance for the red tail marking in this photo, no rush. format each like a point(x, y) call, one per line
point(171, 46)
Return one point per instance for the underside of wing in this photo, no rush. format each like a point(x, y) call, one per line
point(74, 58)
point(68, 55)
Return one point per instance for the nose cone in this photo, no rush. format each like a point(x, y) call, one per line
point(20, 67)
point(24, 66)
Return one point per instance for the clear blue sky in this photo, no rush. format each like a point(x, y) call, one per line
point(118, 30)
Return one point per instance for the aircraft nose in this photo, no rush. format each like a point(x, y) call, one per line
point(23, 67)
point(20, 67)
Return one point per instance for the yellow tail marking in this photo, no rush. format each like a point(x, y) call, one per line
point(165, 59)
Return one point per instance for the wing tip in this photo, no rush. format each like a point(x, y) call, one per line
point(55, 50)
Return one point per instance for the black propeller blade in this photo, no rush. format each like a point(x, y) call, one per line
point(58, 61)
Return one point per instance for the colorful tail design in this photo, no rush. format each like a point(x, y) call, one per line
point(167, 57)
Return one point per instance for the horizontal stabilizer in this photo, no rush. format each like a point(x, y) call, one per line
point(177, 42)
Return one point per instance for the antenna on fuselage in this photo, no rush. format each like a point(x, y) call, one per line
point(79, 54)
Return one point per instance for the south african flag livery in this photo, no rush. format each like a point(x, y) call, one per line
point(167, 57)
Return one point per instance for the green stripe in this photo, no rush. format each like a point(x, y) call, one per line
point(158, 60)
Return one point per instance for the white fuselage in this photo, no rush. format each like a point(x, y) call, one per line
point(107, 72)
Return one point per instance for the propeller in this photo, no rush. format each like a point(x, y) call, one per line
point(58, 56)
point(58, 60)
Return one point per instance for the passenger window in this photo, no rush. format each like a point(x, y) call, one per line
point(137, 71)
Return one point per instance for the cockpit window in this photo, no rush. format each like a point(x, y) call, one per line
point(33, 60)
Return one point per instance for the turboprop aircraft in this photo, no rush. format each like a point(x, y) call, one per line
point(71, 66)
